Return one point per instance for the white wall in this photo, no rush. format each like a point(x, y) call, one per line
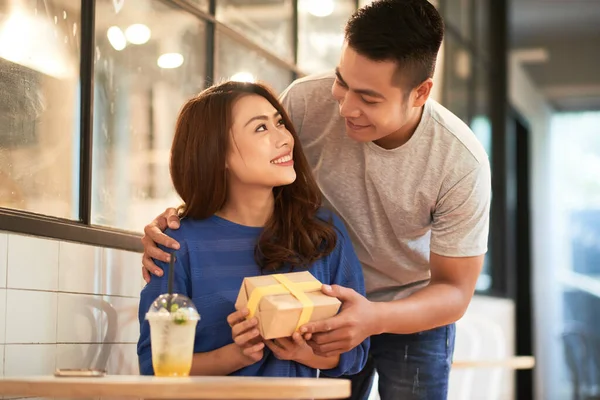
point(486, 332)
point(530, 103)
point(66, 305)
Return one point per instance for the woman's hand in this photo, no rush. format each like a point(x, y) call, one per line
point(246, 336)
point(294, 349)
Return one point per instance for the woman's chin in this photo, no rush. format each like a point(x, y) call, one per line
point(288, 179)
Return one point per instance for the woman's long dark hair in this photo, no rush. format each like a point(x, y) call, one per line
point(293, 235)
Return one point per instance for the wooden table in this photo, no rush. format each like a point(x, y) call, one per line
point(149, 387)
point(517, 362)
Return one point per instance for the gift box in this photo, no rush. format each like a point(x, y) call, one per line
point(283, 303)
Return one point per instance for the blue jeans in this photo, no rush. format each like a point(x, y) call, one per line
point(415, 366)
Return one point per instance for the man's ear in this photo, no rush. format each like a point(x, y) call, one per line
point(421, 93)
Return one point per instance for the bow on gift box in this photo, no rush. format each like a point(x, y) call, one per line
point(296, 289)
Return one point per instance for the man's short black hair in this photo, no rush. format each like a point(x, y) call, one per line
point(409, 32)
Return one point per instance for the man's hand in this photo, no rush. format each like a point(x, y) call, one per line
point(246, 336)
point(294, 349)
point(153, 235)
point(357, 321)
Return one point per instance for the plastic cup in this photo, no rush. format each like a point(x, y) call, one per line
point(173, 319)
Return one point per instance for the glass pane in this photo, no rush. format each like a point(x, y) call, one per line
point(234, 61)
point(150, 60)
point(201, 4)
point(574, 249)
point(482, 25)
point(480, 122)
point(39, 106)
point(458, 15)
point(268, 23)
point(457, 78)
point(321, 33)
point(482, 127)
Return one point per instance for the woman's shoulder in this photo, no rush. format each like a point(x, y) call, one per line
point(331, 217)
point(194, 230)
point(191, 228)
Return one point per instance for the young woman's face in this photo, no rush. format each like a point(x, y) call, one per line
point(261, 148)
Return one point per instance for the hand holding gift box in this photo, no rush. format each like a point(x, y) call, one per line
point(284, 302)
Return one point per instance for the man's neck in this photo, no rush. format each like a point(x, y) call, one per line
point(402, 135)
point(248, 206)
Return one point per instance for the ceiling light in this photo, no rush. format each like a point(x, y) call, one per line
point(116, 38)
point(320, 8)
point(29, 40)
point(170, 60)
point(137, 33)
point(243, 77)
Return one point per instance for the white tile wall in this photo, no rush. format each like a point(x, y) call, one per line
point(30, 316)
point(128, 327)
point(2, 316)
point(123, 272)
point(3, 258)
point(79, 268)
point(29, 359)
point(79, 319)
point(123, 358)
point(32, 263)
point(58, 302)
point(78, 355)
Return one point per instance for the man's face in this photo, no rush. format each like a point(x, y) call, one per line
point(370, 101)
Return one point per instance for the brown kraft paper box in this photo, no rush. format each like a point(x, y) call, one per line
point(278, 314)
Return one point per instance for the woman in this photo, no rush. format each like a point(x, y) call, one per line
point(251, 207)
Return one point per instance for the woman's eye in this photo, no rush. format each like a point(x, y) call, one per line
point(261, 128)
point(281, 122)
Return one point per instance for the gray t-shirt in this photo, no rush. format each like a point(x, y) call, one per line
point(430, 194)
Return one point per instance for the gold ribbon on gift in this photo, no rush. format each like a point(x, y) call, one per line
point(296, 289)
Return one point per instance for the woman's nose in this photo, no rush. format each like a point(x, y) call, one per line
point(284, 138)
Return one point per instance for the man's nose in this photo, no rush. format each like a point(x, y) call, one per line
point(348, 109)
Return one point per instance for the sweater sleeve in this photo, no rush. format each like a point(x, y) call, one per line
point(346, 271)
point(156, 287)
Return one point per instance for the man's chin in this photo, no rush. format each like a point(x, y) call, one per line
point(361, 137)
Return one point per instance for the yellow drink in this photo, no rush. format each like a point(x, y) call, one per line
point(172, 337)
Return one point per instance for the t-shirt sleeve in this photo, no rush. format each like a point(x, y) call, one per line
point(156, 287)
point(347, 272)
point(461, 218)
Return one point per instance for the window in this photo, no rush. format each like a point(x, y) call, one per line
point(150, 60)
point(39, 106)
point(574, 248)
point(482, 21)
point(458, 15)
point(268, 23)
point(321, 33)
point(457, 78)
point(234, 61)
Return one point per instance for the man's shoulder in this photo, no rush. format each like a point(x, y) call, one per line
point(452, 129)
point(315, 84)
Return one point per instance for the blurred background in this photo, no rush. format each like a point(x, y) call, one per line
point(89, 94)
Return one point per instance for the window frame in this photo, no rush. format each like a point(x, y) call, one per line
point(81, 230)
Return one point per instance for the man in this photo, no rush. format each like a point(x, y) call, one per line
point(412, 184)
